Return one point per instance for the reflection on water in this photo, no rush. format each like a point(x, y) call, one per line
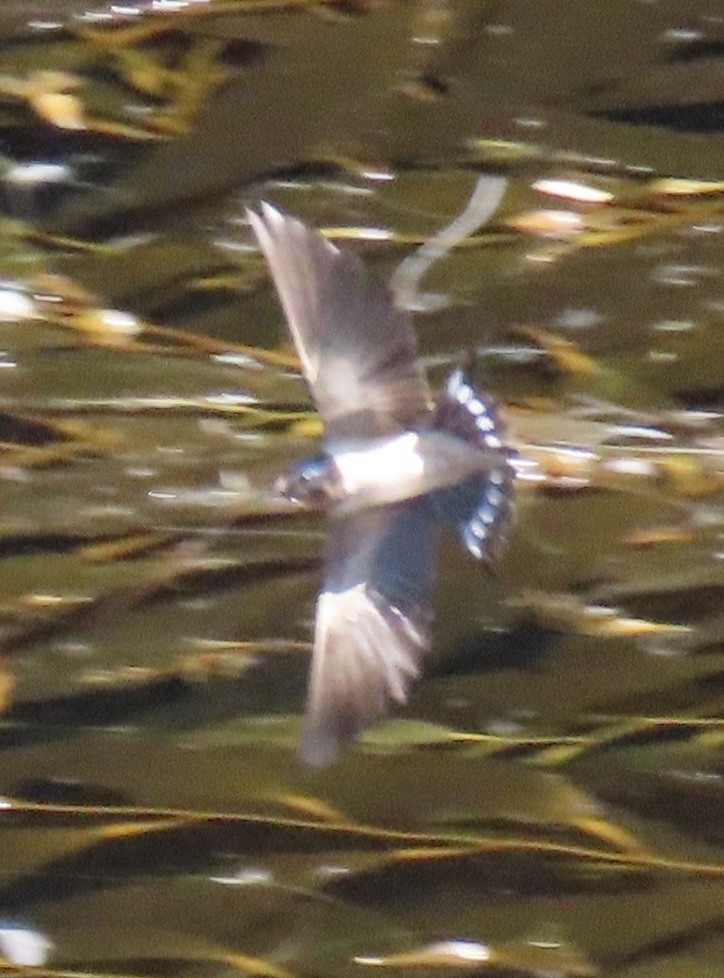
point(551, 800)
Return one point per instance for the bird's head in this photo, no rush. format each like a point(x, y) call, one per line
point(314, 483)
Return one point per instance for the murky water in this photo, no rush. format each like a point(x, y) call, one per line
point(551, 800)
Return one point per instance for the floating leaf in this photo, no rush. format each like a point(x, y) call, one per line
point(60, 109)
point(596, 620)
point(6, 685)
point(564, 354)
point(531, 957)
point(674, 187)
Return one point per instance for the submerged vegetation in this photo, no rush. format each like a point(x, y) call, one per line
point(551, 801)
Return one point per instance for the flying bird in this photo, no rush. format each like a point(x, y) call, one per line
point(397, 466)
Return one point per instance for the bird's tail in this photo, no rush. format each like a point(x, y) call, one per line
point(482, 505)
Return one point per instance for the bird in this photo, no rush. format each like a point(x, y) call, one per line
point(397, 466)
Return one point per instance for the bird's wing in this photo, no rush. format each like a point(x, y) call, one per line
point(372, 621)
point(358, 352)
point(482, 505)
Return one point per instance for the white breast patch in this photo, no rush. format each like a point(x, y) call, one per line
point(393, 462)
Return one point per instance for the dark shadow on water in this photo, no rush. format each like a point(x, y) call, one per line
point(523, 647)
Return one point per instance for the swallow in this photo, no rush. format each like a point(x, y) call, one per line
point(398, 466)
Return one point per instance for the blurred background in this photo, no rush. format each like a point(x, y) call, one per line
point(551, 800)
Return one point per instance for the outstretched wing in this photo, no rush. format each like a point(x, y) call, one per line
point(373, 614)
point(358, 352)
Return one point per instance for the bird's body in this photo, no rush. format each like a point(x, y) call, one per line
point(397, 466)
point(381, 471)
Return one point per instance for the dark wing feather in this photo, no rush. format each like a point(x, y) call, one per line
point(372, 621)
point(358, 352)
point(482, 505)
